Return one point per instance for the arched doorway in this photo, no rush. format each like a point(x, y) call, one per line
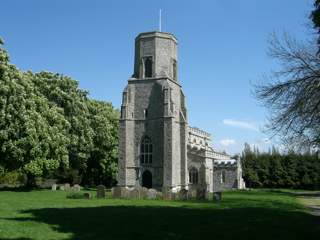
point(147, 179)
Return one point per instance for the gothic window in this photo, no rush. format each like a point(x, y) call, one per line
point(124, 97)
point(146, 151)
point(123, 112)
point(223, 176)
point(193, 176)
point(174, 69)
point(148, 67)
point(145, 113)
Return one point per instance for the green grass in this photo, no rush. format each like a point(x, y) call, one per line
point(241, 215)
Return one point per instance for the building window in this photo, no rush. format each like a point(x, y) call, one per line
point(148, 67)
point(193, 176)
point(174, 69)
point(223, 176)
point(145, 113)
point(146, 151)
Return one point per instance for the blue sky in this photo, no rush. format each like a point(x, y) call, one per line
point(222, 51)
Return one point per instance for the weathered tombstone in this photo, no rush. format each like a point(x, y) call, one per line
point(54, 187)
point(201, 193)
point(217, 196)
point(159, 196)
point(134, 194)
point(76, 188)
point(67, 187)
point(119, 192)
point(167, 193)
point(192, 193)
point(152, 194)
point(61, 188)
point(183, 195)
point(144, 193)
point(101, 191)
point(87, 195)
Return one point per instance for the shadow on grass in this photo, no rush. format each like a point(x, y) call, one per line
point(16, 239)
point(155, 222)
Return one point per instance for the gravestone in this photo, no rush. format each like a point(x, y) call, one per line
point(201, 193)
point(76, 188)
point(67, 187)
point(167, 193)
point(87, 195)
point(134, 194)
point(119, 192)
point(192, 193)
point(152, 194)
point(159, 196)
point(101, 191)
point(183, 195)
point(54, 187)
point(61, 188)
point(217, 196)
point(144, 193)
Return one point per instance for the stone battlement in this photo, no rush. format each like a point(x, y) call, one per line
point(199, 132)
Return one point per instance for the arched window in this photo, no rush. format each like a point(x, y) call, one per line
point(148, 67)
point(193, 176)
point(146, 151)
point(174, 69)
point(223, 176)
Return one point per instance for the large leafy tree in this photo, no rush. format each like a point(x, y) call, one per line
point(32, 131)
point(50, 128)
point(64, 92)
point(102, 164)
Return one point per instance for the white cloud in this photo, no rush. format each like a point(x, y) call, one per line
point(227, 142)
point(241, 124)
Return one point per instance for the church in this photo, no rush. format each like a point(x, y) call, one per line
point(157, 147)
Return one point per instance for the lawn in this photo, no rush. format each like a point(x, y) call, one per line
point(241, 215)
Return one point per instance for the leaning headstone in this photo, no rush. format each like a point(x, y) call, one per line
point(67, 187)
point(101, 191)
point(61, 188)
point(217, 196)
point(183, 195)
point(76, 188)
point(87, 195)
point(152, 194)
point(54, 187)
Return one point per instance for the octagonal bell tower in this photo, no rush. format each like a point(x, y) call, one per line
point(153, 123)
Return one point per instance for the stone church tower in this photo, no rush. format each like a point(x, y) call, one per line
point(153, 125)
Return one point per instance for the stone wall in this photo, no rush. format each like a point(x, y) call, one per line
point(230, 178)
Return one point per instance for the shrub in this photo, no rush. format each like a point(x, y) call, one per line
point(13, 178)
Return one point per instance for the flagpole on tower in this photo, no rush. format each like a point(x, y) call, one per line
point(160, 20)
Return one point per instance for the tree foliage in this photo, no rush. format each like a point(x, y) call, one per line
point(272, 169)
point(50, 128)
